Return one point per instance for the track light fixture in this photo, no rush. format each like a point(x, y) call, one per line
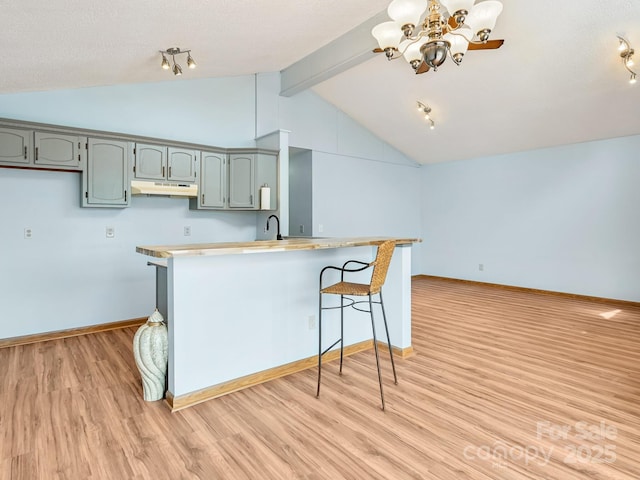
point(426, 111)
point(176, 69)
point(626, 53)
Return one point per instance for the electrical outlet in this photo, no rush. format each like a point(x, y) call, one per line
point(312, 322)
point(28, 233)
point(320, 228)
point(301, 228)
point(110, 232)
point(187, 231)
point(481, 267)
point(264, 229)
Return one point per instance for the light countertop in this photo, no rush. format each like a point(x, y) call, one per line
point(260, 246)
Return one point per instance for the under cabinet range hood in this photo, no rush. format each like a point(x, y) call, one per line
point(169, 189)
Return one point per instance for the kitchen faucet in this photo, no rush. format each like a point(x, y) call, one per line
point(278, 236)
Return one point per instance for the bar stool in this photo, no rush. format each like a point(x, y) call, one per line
point(380, 267)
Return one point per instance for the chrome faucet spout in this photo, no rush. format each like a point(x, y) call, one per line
point(278, 236)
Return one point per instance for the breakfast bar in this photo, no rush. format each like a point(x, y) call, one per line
point(241, 313)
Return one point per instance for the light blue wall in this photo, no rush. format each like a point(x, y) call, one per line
point(219, 111)
point(70, 275)
point(361, 185)
point(563, 219)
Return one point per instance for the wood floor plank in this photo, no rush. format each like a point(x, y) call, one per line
point(503, 385)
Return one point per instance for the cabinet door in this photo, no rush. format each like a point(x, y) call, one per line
point(212, 179)
point(57, 150)
point(150, 162)
point(267, 174)
point(15, 146)
point(182, 165)
point(107, 173)
point(242, 181)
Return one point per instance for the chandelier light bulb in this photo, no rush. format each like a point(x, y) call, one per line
point(165, 63)
point(191, 63)
point(432, 126)
point(622, 47)
point(633, 80)
point(630, 62)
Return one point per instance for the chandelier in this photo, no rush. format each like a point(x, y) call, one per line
point(425, 44)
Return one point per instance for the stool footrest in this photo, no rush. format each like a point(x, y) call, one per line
point(332, 345)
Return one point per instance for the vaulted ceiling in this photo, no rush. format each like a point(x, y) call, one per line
point(557, 80)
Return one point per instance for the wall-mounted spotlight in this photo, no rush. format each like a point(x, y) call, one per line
point(626, 53)
point(426, 111)
point(172, 52)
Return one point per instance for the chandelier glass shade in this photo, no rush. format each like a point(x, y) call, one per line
point(427, 31)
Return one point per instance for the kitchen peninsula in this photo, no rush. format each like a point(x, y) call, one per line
point(240, 313)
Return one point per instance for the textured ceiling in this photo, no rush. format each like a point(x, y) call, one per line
point(557, 80)
point(54, 44)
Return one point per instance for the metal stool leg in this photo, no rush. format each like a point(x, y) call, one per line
point(341, 330)
point(319, 343)
point(375, 347)
point(386, 328)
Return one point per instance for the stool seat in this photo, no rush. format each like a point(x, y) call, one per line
point(347, 288)
point(350, 289)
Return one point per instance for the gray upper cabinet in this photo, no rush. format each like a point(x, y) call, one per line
point(227, 179)
point(16, 146)
point(242, 183)
point(157, 162)
point(106, 180)
point(57, 150)
point(213, 176)
point(150, 162)
point(233, 181)
point(182, 165)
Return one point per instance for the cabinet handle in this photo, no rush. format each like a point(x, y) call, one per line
point(78, 157)
point(125, 195)
point(251, 199)
point(163, 171)
point(169, 171)
point(37, 154)
point(25, 153)
point(203, 198)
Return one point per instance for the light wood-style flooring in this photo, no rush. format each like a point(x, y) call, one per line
point(504, 385)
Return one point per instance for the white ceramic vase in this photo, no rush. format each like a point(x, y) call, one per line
point(150, 346)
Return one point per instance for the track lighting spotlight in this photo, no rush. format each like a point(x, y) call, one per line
point(176, 69)
point(191, 63)
point(165, 63)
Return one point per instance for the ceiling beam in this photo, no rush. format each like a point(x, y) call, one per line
point(351, 49)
